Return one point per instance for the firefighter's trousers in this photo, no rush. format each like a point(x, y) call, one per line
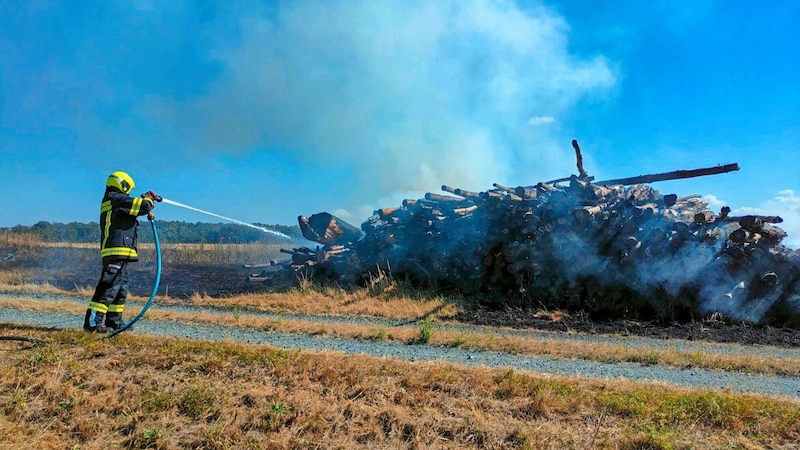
point(108, 301)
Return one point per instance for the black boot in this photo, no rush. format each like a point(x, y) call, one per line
point(114, 326)
point(114, 321)
point(100, 329)
point(94, 322)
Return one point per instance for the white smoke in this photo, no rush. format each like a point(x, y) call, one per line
point(411, 94)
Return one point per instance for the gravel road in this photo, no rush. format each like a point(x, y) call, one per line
point(784, 386)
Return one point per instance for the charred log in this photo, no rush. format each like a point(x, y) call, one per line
point(675, 175)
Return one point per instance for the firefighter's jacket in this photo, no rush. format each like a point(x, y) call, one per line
point(118, 223)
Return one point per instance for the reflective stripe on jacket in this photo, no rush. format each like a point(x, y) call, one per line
point(118, 236)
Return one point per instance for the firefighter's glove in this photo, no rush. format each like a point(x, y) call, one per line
point(152, 196)
point(151, 216)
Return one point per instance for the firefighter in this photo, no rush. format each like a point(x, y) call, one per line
point(118, 239)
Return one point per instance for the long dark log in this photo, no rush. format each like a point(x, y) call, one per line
point(442, 198)
point(386, 212)
point(491, 194)
point(545, 187)
point(579, 162)
point(449, 189)
point(579, 158)
point(467, 194)
point(294, 251)
point(505, 189)
point(750, 220)
point(559, 180)
point(676, 175)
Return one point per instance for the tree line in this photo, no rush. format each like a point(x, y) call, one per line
point(168, 231)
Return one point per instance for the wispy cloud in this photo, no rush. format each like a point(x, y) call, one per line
point(714, 202)
point(541, 120)
point(788, 198)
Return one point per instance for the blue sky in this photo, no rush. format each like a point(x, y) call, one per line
point(263, 111)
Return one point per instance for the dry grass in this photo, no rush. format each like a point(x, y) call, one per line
point(335, 301)
point(21, 246)
point(181, 253)
point(14, 281)
point(13, 277)
point(217, 253)
point(10, 240)
point(31, 246)
point(146, 392)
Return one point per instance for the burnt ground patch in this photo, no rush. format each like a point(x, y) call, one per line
point(712, 328)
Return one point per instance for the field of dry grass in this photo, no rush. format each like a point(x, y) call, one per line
point(138, 391)
point(146, 392)
point(171, 253)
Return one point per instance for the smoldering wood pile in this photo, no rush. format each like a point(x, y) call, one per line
point(614, 247)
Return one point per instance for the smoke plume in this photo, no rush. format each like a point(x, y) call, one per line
point(408, 95)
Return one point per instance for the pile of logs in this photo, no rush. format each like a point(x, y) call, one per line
point(614, 247)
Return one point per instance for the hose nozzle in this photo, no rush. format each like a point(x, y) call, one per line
point(153, 196)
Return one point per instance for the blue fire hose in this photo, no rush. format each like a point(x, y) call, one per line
point(155, 287)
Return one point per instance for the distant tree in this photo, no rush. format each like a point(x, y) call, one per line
point(87, 232)
point(45, 230)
